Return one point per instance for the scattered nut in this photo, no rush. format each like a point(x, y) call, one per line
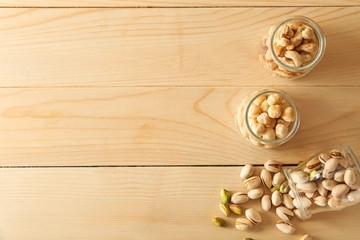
point(219, 222)
point(243, 224)
point(246, 171)
point(266, 203)
point(225, 196)
point(239, 197)
point(285, 226)
point(253, 216)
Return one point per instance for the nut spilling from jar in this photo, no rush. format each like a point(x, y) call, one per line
point(295, 44)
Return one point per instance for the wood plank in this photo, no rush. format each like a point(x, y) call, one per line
point(163, 47)
point(139, 203)
point(116, 126)
point(173, 3)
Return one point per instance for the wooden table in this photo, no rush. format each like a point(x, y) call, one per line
point(118, 117)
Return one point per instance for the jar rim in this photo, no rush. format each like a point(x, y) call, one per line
point(294, 128)
point(319, 34)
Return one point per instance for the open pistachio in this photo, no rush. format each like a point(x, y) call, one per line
point(353, 195)
point(266, 178)
point(255, 193)
point(235, 209)
point(273, 166)
point(339, 175)
point(239, 197)
point(315, 175)
point(306, 187)
point(306, 237)
point(252, 183)
point(225, 196)
point(266, 203)
point(323, 157)
point(243, 224)
point(285, 226)
point(350, 176)
point(287, 201)
point(246, 171)
point(278, 179)
point(321, 201)
point(329, 184)
point(224, 209)
point(313, 164)
point(336, 153)
point(285, 188)
point(334, 202)
point(340, 190)
point(219, 222)
point(253, 216)
point(284, 213)
point(276, 198)
point(273, 189)
point(299, 177)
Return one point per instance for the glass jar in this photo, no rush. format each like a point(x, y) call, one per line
point(268, 118)
point(329, 180)
point(292, 48)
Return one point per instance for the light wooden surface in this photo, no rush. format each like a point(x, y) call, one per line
point(118, 121)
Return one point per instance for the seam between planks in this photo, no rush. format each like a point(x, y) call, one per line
point(181, 7)
point(143, 166)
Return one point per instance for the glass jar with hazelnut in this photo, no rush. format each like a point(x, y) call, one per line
point(268, 118)
point(292, 48)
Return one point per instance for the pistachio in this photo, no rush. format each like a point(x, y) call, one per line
point(306, 187)
point(273, 189)
point(253, 216)
point(354, 195)
point(287, 201)
point(306, 237)
point(291, 193)
point(285, 188)
point(356, 185)
point(310, 194)
point(321, 189)
point(243, 224)
point(323, 157)
point(252, 183)
point(314, 175)
point(239, 197)
point(276, 198)
point(307, 170)
point(328, 174)
point(266, 178)
point(343, 163)
point(246, 171)
point(340, 190)
point(285, 226)
point(278, 179)
point(299, 177)
point(329, 184)
point(313, 164)
point(339, 176)
point(224, 209)
point(298, 215)
point(225, 196)
point(305, 202)
point(273, 166)
point(235, 209)
point(321, 201)
point(330, 167)
point(219, 222)
point(334, 202)
point(266, 203)
point(255, 193)
point(336, 153)
point(350, 176)
point(284, 213)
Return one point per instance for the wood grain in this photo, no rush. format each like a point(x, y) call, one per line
point(166, 126)
point(173, 3)
point(163, 47)
point(139, 203)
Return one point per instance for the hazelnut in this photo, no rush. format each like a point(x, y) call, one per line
point(274, 111)
point(281, 130)
point(264, 119)
point(264, 106)
point(274, 99)
point(254, 111)
point(288, 114)
point(268, 134)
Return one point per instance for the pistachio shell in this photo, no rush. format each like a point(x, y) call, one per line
point(266, 203)
point(335, 153)
point(305, 202)
point(235, 208)
point(278, 179)
point(340, 190)
point(306, 187)
point(306, 237)
point(298, 215)
point(323, 157)
point(321, 189)
point(313, 164)
point(285, 188)
point(331, 164)
point(246, 171)
point(329, 184)
point(276, 198)
point(243, 224)
point(299, 177)
point(310, 194)
point(354, 195)
point(321, 201)
point(225, 196)
point(273, 166)
point(284, 213)
point(287, 201)
point(253, 216)
point(239, 197)
point(285, 226)
point(339, 176)
point(291, 193)
point(252, 183)
point(334, 202)
point(350, 176)
point(266, 178)
point(219, 222)
point(255, 193)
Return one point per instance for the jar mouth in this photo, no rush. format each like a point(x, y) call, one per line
point(294, 128)
point(320, 35)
